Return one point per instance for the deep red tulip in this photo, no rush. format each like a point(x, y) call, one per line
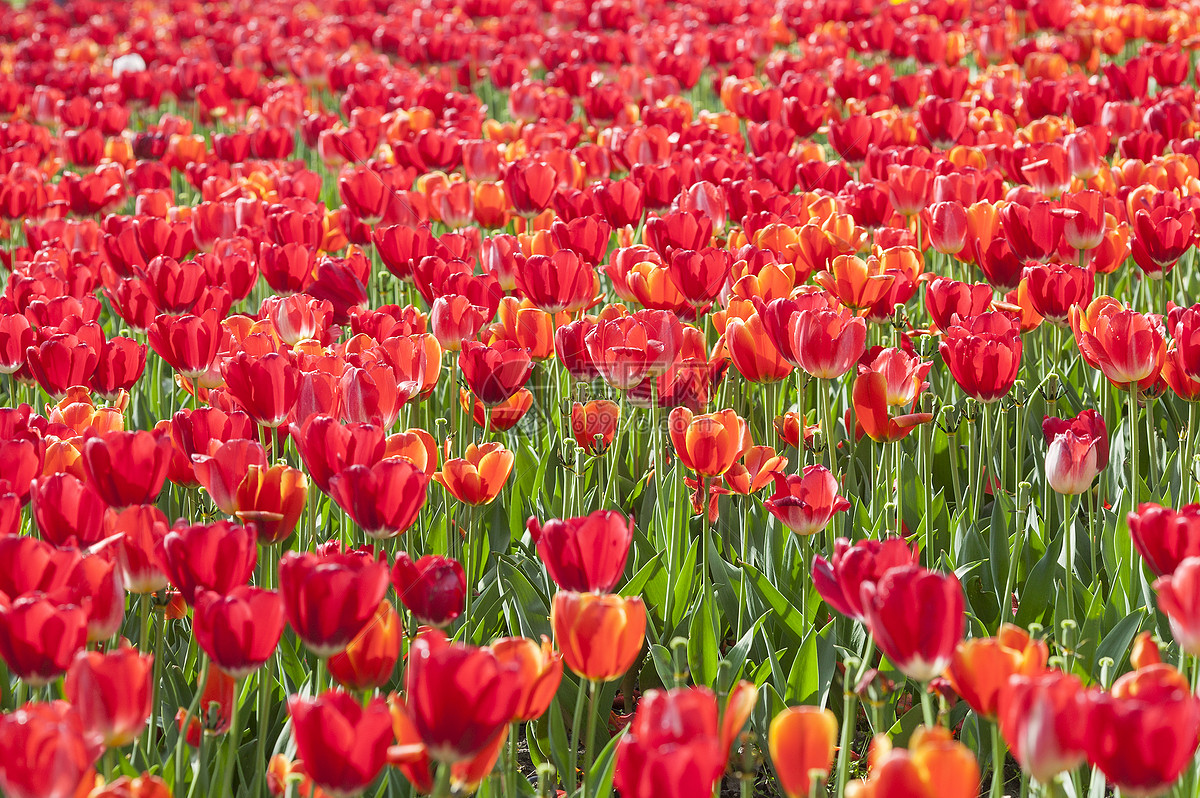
point(127, 468)
point(265, 387)
point(1055, 288)
point(433, 588)
point(67, 510)
point(1144, 732)
point(61, 361)
point(45, 751)
point(330, 597)
point(328, 447)
point(239, 630)
point(460, 698)
point(40, 636)
point(1161, 237)
point(344, 743)
point(189, 344)
point(383, 499)
point(827, 343)
point(839, 579)
point(494, 373)
point(1165, 537)
point(112, 693)
point(806, 503)
point(1125, 345)
point(919, 644)
point(984, 355)
point(586, 553)
point(560, 282)
point(217, 557)
point(673, 747)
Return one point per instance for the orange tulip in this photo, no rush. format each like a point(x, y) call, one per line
point(370, 658)
point(598, 417)
point(708, 444)
point(540, 669)
point(802, 739)
point(478, 476)
point(982, 666)
point(755, 471)
point(599, 634)
point(752, 353)
point(857, 283)
point(934, 766)
point(273, 500)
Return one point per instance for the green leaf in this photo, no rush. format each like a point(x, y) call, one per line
point(793, 619)
point(736, 657)
point(600, 777)
point(1039, 586)
point(560, 746)
point(702, 644)
point(652, 571)
point(1115, 644)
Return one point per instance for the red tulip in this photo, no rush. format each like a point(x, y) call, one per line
point(673, 747)
point(1161, 237)
point(40, 636)
point(189, 344)
point(45, 751)
point(265, 387)
point(494, 373)
point(330, 597)
point(827, 343)
point(221, 470)
point(806, 503)
point(920, 644)
point(217, 557)
point(1179, 598)
point(433, 588)
point(344, 743)
point(67, 510)
point(560, 282)
point(1042, 719)
point(112, 693)
point(460, 698)
point(948, 227)
point(328, 447)
point(984, 355)
point(1165, 537)
point(240, 630)
point(599, 634)
point(584, 554)
point(1055, 288)
point(1125, 345)
point(1144, 733)
point(127, 468)
point(950, 302)
point(383, 499)
point(61, 361)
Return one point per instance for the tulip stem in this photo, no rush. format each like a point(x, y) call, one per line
point(576, 727)
point(235, 739)
point(1133, 447)
point(850, 715)
point(1069, 549)
point(927, 706)
point(589, 747)
point(188, 714)
point(998, 758)
point(265, 679)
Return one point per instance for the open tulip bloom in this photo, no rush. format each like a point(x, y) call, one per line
point(622, 399)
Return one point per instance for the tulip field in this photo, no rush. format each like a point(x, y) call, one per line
point(599, 399)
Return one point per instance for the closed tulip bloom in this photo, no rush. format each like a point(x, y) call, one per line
point(39, 637)
point(1143, 734)
point(539, 672)
point(802, 739)
point(599, 634)
point(673, 746)
point(238, 631)
point(947, 299)
point(494, 373)
point(265, 387)
point(45, 751)
point(1083, 212)
point(711, 443)
point(981, 667)
point(127, 468)
point(460, 698)
point(330, 597)
point(370, 659)
point(1165, 537)
point(1078, 451)
point(479, 475)
point(433, 588)
point(383, 499)
point(225, 466)
point(1179, 599)
point(328, 446)
point(948, 227)
point(806, 503)
point(111, 692)
point(560, 282)
point(1054, 288)
point(984, 355)
point(1161, 237)
point(598, 417)
point(586, 553)
point(752, 353)
point(840, 578)
point(343, 743)
point(1126, 346)
point(217, 557)
point(1042, 719)
point(919, 644)
point(141, 529)
point(827, 343)
point(67, 509)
